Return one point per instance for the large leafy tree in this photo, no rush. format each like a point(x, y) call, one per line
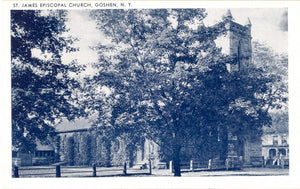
point(41, 86)
point(168, 81)
point(275, 66)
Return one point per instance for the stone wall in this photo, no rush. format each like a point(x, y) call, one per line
point(252, 149)
point(236, 42)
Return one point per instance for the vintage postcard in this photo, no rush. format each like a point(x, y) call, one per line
point(150, 94)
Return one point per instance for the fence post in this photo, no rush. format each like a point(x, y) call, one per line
point(16, 172)
point(150, 168)
point(58, 171)
point(125, 169)
point(227, 164)
point(209, 164)
point(282, 163)
point(94, 170)
point(171, 166)
point(191, 165)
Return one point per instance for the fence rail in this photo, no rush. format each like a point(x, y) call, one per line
point(194, 165)
point(215, 164)
point(69, 171)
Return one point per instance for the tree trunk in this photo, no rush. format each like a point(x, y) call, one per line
point(176, 149)
point(176, 160)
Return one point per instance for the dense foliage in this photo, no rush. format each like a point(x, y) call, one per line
point(41, 88)
point(168, 81)
point(276, 66)
point(160, 77)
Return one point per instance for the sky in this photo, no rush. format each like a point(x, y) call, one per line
point(265, 29)
point(84, 28)
point(265, 24)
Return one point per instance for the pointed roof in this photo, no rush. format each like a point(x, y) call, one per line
point(248, 22)
point(228, 15)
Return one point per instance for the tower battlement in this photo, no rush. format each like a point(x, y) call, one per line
point(236, 42)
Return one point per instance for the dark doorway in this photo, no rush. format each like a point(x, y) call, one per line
point(272, 153)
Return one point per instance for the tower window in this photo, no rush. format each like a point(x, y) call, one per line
point(239, 55)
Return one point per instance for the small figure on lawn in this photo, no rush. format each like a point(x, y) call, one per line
point(144, 166)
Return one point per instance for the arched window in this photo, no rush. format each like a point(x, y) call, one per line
point(272, 153)
point(239, 55)
point(116, 145)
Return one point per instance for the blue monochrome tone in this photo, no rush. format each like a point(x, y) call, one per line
point(156, 89)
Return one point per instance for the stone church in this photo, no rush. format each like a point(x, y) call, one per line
point(237, 43)
point(85, 147)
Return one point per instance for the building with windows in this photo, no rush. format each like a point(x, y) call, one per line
point(236, 42)
point(275, 148)
point(275, 141)
point(44, 154)
point(86, 146)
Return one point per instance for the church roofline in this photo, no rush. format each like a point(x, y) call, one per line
point(228, 15)
point(248, 22)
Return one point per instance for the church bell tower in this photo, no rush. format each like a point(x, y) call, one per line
point(236, 42)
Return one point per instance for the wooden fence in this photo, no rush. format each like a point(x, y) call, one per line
point(212, 164)
point(75, 171)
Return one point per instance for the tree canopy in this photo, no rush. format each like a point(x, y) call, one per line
point(169, 81)
point(161, 76)
point(276, 66)
point(41, 86)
